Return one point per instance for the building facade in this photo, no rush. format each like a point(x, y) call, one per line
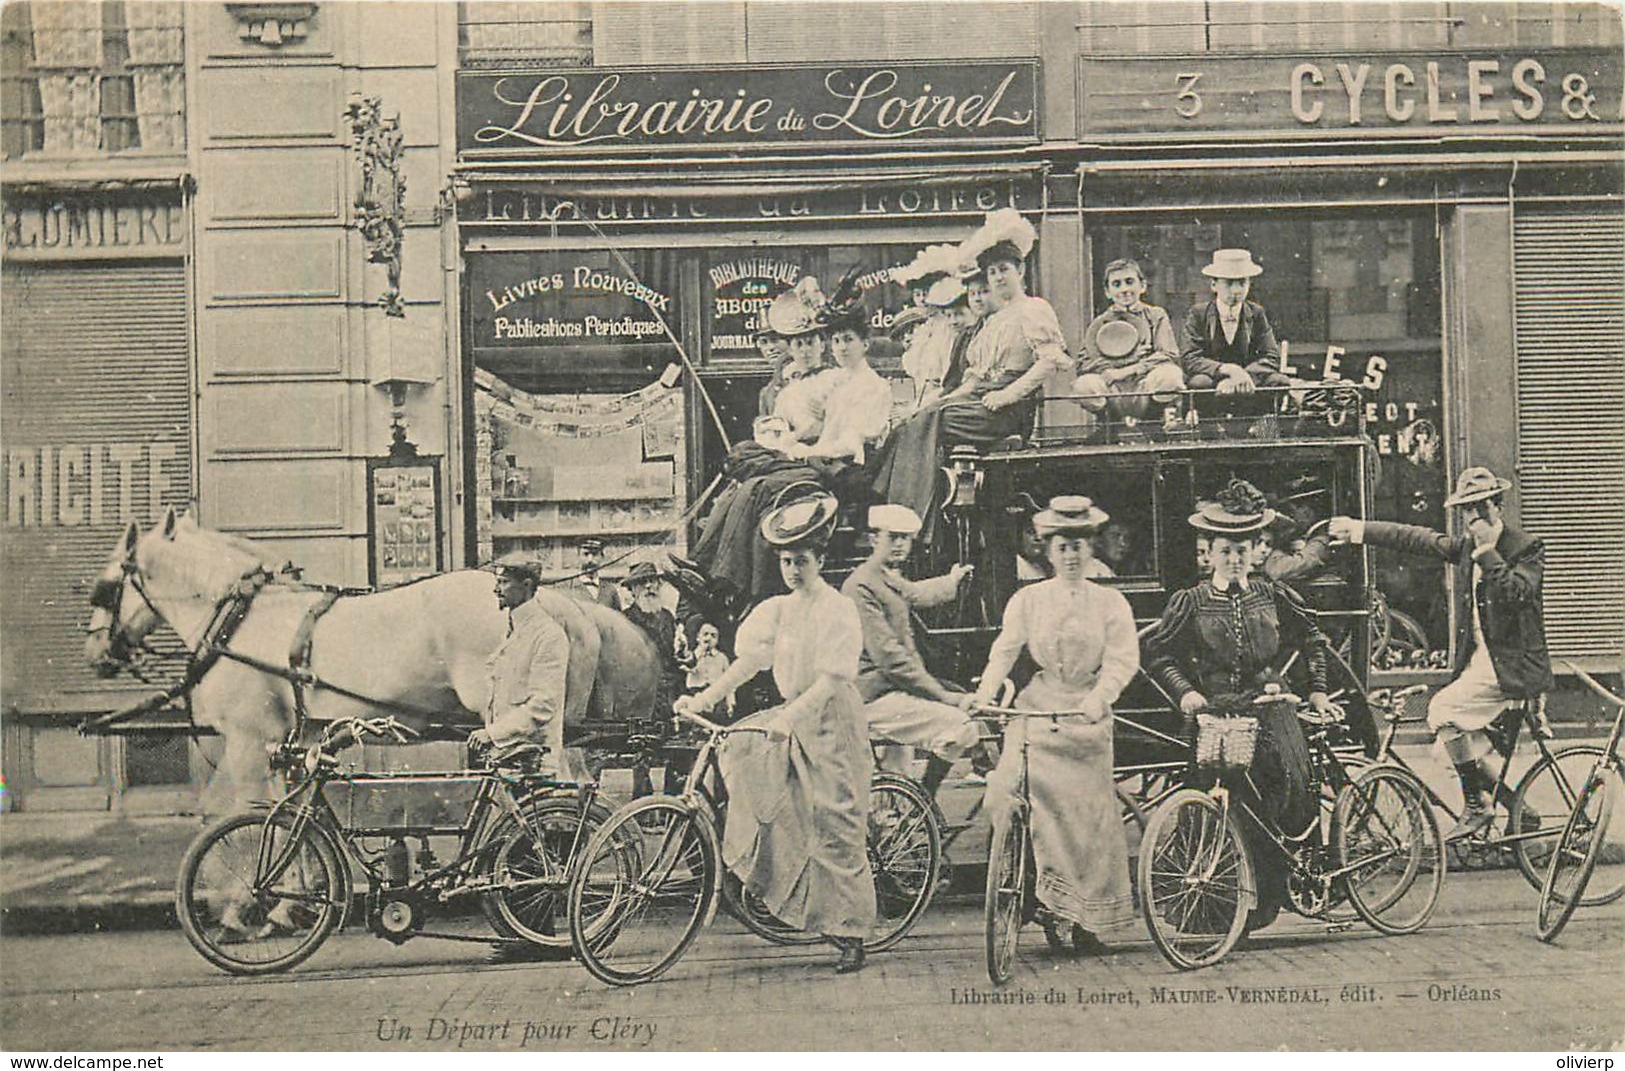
point(393, 288)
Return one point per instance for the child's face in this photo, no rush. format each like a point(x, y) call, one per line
point(1125, 287)
point(1231, 291)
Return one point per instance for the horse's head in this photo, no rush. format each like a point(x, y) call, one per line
point(121, 615)
point(177, 572)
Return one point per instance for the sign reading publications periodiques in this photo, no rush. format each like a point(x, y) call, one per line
point(1399, 94)
point(875, 104)
point(561, 299)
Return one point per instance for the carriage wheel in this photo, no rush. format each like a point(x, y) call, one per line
point(1004, 905)
point(629, 925)
point(249, 911)
point(1543, 800)
point(1576, 853)
point(530, 869)
point(1384, 829)
point(1196, 880)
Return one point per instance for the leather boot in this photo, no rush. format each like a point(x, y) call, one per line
point(936, 768)
point(852, 954)
point(1478, 813)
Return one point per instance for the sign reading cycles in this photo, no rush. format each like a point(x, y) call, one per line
point(522, 113)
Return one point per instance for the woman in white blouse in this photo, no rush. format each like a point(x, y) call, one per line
point(1082, 636)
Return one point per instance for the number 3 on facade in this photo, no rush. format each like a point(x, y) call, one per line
point(1190, 101)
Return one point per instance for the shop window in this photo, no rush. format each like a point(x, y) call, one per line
point(1352, 296)
point(84, 78)
point(491, 34)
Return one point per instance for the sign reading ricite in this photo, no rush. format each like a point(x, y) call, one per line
point(524, 113)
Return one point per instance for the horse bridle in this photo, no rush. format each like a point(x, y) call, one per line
point(108, 594)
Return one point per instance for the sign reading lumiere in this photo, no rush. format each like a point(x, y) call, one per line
point(892, 103)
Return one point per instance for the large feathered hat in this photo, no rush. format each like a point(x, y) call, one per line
point(1004, 235)
point(805, 309)
point(928, 265)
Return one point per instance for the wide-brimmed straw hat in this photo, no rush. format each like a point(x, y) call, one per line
point(1117, 338)
point(1069, 514)
point(1232, 264)
point(913, 316)
point(807, 520)
point(1239, 510)
point(1475, 485)
point(791, 315)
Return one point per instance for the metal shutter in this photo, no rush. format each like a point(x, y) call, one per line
point(94, 360)
point(1570, 315)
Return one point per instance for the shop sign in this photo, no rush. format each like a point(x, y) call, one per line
point(543, 299)
point(73, 226)
point(1388, 94)
point(741, 289)
point(88, 484)
point(879, 104)
point(498, 204)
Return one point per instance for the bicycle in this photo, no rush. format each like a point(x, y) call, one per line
point(259, 892)
point(631, 927)
point(1584, 839)
point(1010, 899)
point(1536, 807)
point(1372, 843)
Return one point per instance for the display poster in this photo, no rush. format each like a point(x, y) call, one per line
point(403, 500)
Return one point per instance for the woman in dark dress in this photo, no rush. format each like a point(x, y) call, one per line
point(1217, 646)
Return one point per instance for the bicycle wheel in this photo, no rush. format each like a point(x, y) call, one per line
point(630, 925)
point(1542, 802)
point(1196, 880)
point(1576, 854)
point(1005, 900)
point(530, 869)
point(905, 856)
point(748, 908)
point(1383, 828)
point(249, 911)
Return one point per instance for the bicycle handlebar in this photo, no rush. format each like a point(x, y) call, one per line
point(718, 730)
point(356, 728)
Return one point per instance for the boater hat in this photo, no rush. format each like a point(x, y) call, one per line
point(1117, 339)
point(894, 518)
point(807, 520)
point(1232, 264)
point(912, 316)
point(1067, 515)
point(1475, 485)
point(1238, 510)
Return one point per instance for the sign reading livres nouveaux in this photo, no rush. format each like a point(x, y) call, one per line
point(1383, 94)
point(563, 299)
point(531, 112)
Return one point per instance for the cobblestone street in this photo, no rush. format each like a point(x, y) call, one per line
point(1476, 978)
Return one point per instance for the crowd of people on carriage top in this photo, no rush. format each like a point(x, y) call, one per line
point(845, 661)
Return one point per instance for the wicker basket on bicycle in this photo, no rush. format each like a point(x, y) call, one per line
point(1225, 742)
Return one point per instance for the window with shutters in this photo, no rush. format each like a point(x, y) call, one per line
point(84, 78)
point(492, 34)
point(1570, 317)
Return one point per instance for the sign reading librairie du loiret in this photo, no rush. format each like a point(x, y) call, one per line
point(1392, 94)
point(885, 103)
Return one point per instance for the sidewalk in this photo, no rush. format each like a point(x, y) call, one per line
point(77, 872)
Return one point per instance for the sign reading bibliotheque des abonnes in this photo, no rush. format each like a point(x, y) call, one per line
point(564, 299)
point(875, 104)
point(1390, 94)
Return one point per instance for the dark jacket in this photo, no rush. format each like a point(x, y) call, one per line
point(1509, 599)
point(1202, 343)
point(891, 661)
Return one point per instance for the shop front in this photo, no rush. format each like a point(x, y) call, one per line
point(99, 430)
point(606, 249)
point(1443, 230)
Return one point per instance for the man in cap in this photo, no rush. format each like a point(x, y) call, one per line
point(903, 702)
point(1228, 344)
point(528, 672)
point(588, 583)
point(1500, 634)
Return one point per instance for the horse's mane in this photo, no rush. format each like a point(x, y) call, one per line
point(206, 560)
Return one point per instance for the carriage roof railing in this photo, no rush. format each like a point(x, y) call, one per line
point(1312, 412)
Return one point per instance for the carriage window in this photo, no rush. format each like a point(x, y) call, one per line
point(1352, 296)
point(1127, 547)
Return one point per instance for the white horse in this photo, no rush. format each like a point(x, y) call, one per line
point(422, 645)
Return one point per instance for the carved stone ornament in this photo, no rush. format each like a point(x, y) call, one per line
point(272, 25)
point(380, 204)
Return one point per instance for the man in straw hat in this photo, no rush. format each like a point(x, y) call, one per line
point(528, 671)
point(1500, 634)
point(902, 700)
point(1228, 344)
